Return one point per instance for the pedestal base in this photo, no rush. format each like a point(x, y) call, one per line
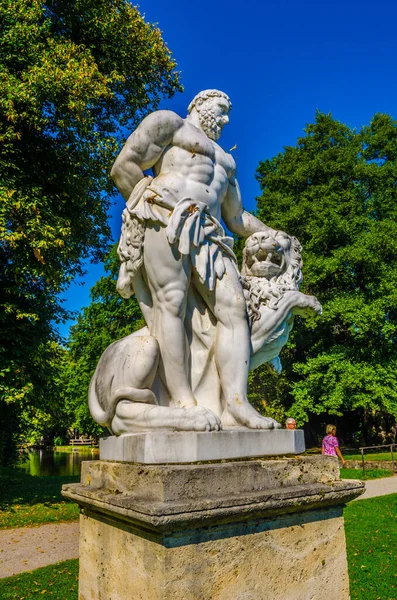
point(247, 530)
point(156, 447)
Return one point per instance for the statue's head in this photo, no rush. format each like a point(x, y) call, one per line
point(272, 265)
point(212, 107)
point(274, 256)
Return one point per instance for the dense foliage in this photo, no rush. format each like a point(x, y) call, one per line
point(336, 191)
point(73, 75)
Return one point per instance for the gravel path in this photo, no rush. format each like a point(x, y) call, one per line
point(379, 487)
point(28, 548)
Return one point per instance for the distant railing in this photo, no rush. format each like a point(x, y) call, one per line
point(391, 446)
point(74, 442)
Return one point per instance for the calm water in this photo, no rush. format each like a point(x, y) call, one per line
point(48, 462)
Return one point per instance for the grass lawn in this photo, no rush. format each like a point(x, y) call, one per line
point(57, 582)
point(355, 455)
point(369, 474)
point(371, 536)
point(32, 500)
point(369, 456)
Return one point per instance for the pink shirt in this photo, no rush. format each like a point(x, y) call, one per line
point(330, 442)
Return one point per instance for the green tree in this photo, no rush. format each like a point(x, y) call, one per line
point(336, 191)
point(46, 420)
point(74, 74)
point(107, 319)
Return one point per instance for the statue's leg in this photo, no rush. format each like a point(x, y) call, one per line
point(143, 296)
point(120, 395)
point(134, 416)
point(233, 349)
point(168, 277)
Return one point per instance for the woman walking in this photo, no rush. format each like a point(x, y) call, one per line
point(330, 445)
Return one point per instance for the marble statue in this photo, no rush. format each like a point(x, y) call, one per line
point(207, 324)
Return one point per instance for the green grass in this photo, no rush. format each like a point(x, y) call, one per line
point(369, 456)
point(369, 474)
point(371, 538)
point(56, 582)
point(33, 500)
point(355, 455)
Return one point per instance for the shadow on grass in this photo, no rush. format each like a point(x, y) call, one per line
point(16, 488)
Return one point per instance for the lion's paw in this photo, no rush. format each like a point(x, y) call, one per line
point(198, 418)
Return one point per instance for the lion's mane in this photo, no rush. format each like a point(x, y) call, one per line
point(260, 290)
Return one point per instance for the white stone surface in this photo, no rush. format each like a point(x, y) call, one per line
point(206, 326)
point(185, 447)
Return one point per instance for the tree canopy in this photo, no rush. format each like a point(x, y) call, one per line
point(336, 191)
point(74, 75)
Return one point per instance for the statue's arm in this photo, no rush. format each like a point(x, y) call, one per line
point(143, 149)
point(236, 219)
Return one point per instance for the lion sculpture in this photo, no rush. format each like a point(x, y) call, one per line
point(126, 393)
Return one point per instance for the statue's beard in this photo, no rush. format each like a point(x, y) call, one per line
point(210, 124)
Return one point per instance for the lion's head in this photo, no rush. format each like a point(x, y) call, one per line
point(272, 265)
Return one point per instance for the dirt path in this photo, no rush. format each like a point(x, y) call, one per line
point(28, 548)
point(379, 487)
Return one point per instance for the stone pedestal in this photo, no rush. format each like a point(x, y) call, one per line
point(244, 530)
point(156, 447)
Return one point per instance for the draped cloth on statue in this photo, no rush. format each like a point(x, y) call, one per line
point(188, 224)
point(197, 234)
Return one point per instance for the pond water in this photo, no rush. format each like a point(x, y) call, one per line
point(49, 462)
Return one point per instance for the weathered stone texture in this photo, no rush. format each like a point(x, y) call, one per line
point(246, 530)
point(300, 557)
point(387, 465)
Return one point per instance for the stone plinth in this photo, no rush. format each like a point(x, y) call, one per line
point(245, 530)
point(156, 447)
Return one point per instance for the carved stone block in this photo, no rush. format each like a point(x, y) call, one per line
point(245, 530)
point(192, 446)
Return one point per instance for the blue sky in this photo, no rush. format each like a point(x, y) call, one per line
point(278, 62)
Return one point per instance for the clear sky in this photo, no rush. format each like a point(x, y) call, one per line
point(278, 62)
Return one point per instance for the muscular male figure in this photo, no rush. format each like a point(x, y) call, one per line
point(192, 173)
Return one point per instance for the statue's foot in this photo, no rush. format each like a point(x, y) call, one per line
point(240, 413)
point(197, 418)
point(131, 417)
